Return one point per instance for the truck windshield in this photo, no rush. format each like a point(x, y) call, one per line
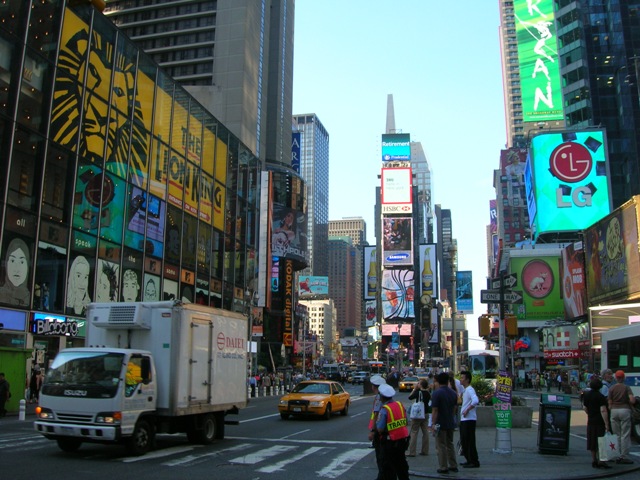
point(97, 372)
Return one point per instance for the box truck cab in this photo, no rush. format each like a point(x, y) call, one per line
point(149, 367)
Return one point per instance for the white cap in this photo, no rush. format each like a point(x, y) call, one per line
point(386, 390)
point(377, 380)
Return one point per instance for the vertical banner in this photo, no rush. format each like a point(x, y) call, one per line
point(502, 400)
point(464, 292)
point(370, 273)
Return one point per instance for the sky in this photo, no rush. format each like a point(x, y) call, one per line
point(441, 61)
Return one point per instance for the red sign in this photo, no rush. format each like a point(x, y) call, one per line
point(570, 162)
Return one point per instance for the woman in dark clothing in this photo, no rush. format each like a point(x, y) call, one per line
point(595, 404)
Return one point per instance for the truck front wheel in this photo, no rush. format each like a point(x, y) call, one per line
point(69, 444)
point(142, 439)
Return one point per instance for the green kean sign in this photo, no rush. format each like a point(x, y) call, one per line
point(539, 61)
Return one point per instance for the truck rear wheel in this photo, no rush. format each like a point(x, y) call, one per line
point(69, 444)
point(142, 439)
point(204, 430)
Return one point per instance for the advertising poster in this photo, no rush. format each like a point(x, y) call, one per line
point(428, 270)
point(312, 285)
point(397, 241)
point(398, 294)
point(464, 292)
point(289, 233)
point(573, 276)
point(611, 256)
point(540, 282)
point(370, 313)
point(370, 273)
point(148, 212)
point(539, 61)
point(570, 180)
point(396, 146)
point(396, 186)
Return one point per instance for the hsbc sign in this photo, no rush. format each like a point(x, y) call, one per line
point(397, 209)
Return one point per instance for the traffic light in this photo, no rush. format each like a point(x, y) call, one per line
point(484, 325)
point(511, 324)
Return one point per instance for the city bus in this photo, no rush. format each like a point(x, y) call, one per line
point(480, 362)
point(621, 351)
point(376, 367)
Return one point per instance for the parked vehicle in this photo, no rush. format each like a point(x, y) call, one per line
point(359, 377)
point(149, 367)
point(315, 397)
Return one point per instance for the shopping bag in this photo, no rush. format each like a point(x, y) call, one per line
point(417, 411)
point(608, 447)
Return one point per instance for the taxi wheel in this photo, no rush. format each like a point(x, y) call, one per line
point(284, 416)
point(327, 412)
point(345, 410)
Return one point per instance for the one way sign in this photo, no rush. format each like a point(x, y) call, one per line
point(509, 281)
point(493, 296)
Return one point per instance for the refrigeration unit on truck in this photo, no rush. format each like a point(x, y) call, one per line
point(147, 368)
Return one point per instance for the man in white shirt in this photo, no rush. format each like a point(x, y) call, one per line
point(468, 419)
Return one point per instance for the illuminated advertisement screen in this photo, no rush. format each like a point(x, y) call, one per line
point(397, 241)
point(428, 270)
point(396, 146)
point(574, 289)
point(539, 61)
point(310, 285)
point(398, 294)
point(570, 180)
point(370, 273)
point(396, 185)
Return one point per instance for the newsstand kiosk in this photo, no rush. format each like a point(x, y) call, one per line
point(554, 423)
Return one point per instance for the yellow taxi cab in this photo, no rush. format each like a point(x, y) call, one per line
point(315, 397)
point(408, 383)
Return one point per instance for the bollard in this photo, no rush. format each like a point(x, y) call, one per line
point(503, 441)
point(23, 410)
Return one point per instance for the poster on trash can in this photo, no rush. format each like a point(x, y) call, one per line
point(504, 386)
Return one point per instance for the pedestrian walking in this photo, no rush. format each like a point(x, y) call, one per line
point(34, 385)
point(468, 421)
point(5, 394)
point(443, 405)
point(374, 438)
point(420, 394)
point(621, 401)
point(394, 435)
point(595, 406)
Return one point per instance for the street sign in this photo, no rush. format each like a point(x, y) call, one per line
point(510, 281)
point(493, 296)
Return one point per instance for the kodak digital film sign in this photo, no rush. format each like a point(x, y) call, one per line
point(567, 181)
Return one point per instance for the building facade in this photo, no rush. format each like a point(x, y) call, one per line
point(314, 169)
point(119, 185)
point(234, 56)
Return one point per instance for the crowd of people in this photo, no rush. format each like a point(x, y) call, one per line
point(449, 405)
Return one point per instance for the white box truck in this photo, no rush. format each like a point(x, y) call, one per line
point(147, 368)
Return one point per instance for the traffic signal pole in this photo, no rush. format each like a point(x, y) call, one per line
point(502, 334)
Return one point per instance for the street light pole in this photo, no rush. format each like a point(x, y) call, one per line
point(454, 346)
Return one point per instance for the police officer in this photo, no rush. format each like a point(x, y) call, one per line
point(394, 435)
point(376, 381)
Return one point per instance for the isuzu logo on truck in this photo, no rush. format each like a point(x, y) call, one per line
point(75, 393)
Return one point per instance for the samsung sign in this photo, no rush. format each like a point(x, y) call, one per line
point(567, 181)
point(398, 258)
point(396, 146)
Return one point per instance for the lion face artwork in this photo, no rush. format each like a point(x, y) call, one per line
point(96, 112)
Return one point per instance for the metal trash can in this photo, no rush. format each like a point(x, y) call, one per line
point(554, 423)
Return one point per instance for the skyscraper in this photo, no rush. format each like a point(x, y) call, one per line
point(234, 56)
point(314, 170)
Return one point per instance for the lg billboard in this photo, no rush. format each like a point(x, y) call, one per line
point(567, 181)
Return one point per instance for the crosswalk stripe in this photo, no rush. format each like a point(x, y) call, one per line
point(280, 465)
point(194, 459)
point(158, 454)
point(343, 462)
point(253, 458)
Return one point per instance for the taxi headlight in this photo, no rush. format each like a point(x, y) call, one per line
point(283, 402)
point(315, 404)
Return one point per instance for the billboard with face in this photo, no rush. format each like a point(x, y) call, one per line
point(611, 255)
point(567, 181)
